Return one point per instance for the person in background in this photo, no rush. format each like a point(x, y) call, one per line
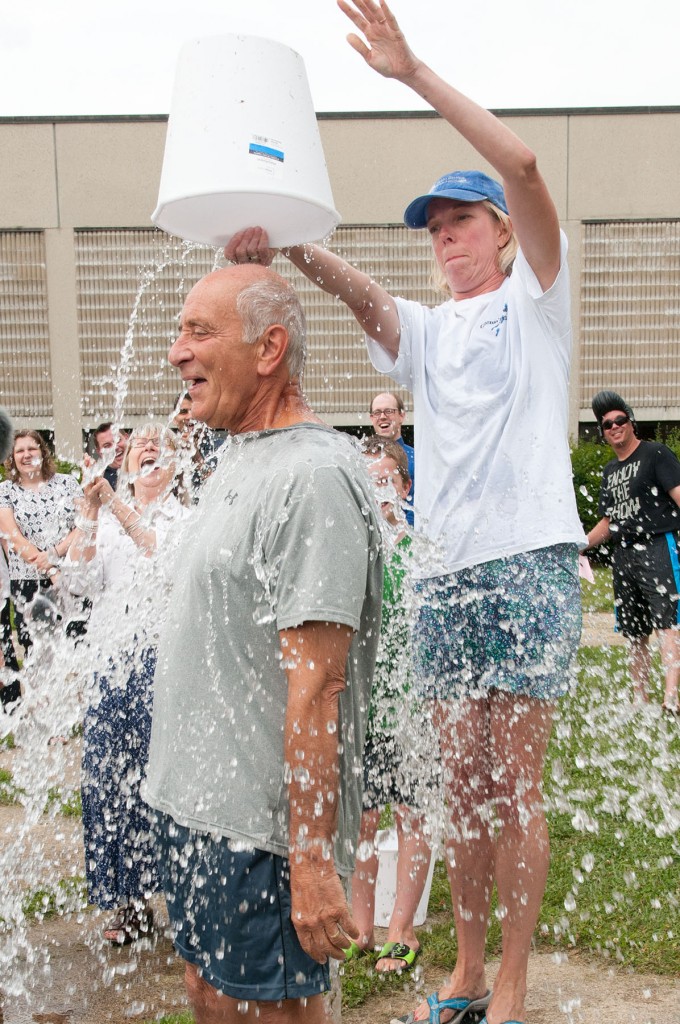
point(37, 515)
point(399, 753)
point(194, 468)
point(110, 447)
point(113, 556)
point(639, 499)
point(10, 689)
point(387, 417)
point(182, 421)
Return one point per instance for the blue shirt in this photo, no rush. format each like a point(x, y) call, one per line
point(411, 472)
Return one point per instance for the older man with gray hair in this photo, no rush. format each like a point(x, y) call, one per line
point(264, 668)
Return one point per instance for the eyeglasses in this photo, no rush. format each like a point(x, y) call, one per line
point(618, 421)
point(144, 442)
point(377, 413)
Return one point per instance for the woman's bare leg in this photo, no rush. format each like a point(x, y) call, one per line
point(520, 730)
point(463, 728)
point(413, 861)
point(364, 880)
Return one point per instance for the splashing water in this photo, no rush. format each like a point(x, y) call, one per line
point(611, 763)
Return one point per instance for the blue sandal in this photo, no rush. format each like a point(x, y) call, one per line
point(460, 1003)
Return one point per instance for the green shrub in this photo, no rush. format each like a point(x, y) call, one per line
point(587, 461)
point(670, 436)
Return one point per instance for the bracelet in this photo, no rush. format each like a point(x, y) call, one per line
point(88, 526)
point(131, 512)
point(134, 526)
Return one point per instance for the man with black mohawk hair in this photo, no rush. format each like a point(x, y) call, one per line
point(639, 499)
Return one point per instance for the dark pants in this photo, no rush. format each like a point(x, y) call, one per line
point(120, 859)
point(11, 691)
point(23, 592)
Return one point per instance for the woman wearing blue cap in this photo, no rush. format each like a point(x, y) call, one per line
point(500, 617)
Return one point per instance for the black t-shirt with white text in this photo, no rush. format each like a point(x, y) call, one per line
point(634, 495)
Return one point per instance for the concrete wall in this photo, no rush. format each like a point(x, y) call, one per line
point(61, 174)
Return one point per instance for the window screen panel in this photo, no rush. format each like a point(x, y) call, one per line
point(630, 309)
point(132, 283)
point(25, 377)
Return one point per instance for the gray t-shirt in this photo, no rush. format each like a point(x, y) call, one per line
point(286, 532)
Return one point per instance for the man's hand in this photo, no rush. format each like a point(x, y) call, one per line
point(250, 246)
point(319, 910)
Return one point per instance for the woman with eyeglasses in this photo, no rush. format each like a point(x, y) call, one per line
point(499, 616)
point(37, 514)
point(114, 558)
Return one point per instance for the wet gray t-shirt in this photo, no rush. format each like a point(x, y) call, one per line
point(286, 532)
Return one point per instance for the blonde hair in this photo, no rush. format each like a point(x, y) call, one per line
point(167, 441)
point(505, 258)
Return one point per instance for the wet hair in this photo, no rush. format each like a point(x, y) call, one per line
point(48, 468)
point(506, 255)
point(166, 440)
point(397, 399)
point(384, 447)
point(272, 301)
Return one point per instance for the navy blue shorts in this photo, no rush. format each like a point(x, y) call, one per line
point(647, 585)
point(512, 624)
point(230, 913)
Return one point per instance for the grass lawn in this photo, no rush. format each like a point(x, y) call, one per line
point(598, 596)
point(613, 799)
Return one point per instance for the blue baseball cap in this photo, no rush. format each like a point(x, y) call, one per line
point(465, 186)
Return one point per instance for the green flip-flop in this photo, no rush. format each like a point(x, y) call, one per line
point(354, 951)
point(398, 951)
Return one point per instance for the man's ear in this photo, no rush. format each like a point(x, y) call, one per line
point(272, 349)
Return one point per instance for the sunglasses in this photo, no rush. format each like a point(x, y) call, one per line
point(618, 421)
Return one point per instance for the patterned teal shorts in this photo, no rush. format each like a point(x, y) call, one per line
point(513, 624)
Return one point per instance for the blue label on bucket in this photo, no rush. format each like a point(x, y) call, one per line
point(266, 151)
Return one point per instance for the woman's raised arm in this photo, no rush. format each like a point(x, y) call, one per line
point(532, 211)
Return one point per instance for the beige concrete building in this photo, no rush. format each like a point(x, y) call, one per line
point(89, 290)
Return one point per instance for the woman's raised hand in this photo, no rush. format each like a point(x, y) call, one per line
point(387, 51)
point(250, 246)
point(98, 493)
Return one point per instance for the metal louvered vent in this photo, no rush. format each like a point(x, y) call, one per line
point(339, 379)
point(25, 378)
point(132, 283)
point(630, 309)
point(130, 287)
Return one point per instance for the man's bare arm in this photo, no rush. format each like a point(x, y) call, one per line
point(314, 658)
point(600, 533)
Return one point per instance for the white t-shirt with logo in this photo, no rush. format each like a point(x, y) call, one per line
point(489, 377)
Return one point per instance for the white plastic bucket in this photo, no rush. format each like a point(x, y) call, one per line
point(243, 146)
point(386, 885)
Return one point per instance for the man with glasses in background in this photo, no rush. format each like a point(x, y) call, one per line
point(639, 499)
point(387, 416)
